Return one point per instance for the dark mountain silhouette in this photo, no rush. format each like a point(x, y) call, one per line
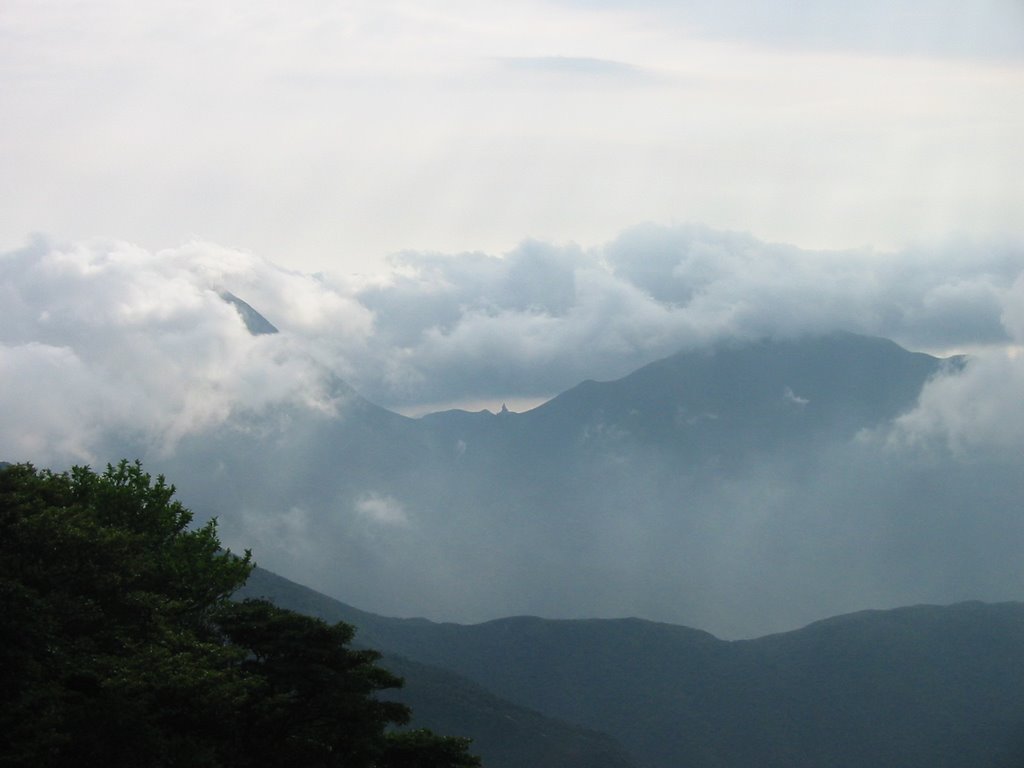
point(506, 735)
point(725, 403)
point(768, 392)
point(913, 687)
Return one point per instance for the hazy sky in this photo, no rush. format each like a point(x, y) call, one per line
point(327, 135)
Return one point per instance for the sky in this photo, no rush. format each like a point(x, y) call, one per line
point(329, 136)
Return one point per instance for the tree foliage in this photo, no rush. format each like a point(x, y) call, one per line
point(119, 645)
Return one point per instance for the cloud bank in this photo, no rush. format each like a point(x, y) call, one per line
point(107, 346)
point(108, 341)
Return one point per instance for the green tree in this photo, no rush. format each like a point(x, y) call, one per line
point(119, 645)
point(423, 749)
point(308, 681)
point(106, 601)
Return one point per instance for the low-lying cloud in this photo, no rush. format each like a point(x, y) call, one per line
point(105, 339)
point(110, 345)
point(544, 317)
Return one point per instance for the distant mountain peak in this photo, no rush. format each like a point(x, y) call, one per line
point(256, 323)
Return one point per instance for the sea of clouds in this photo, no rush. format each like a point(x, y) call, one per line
point(101, 342)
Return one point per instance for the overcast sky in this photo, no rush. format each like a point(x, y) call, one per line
point(326, 135)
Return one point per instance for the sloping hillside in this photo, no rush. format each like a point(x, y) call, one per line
point(914, 687)
point(504, 734)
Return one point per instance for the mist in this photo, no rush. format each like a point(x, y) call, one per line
point(111, 350)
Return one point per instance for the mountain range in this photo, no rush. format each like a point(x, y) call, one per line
point(744, 488)
point(913, 687)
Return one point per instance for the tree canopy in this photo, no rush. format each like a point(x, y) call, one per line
point(120, 645)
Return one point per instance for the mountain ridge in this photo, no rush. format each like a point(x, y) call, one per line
point(724, 489)
point(916, 686)
point(506, 734)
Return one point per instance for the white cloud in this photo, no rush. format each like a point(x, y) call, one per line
point(976, 413)
point(121, 341)
point(544, 317)
point(790, 397)
point(113, 345)
point(382, 509)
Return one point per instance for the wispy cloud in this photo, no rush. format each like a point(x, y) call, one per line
point(382, 509)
